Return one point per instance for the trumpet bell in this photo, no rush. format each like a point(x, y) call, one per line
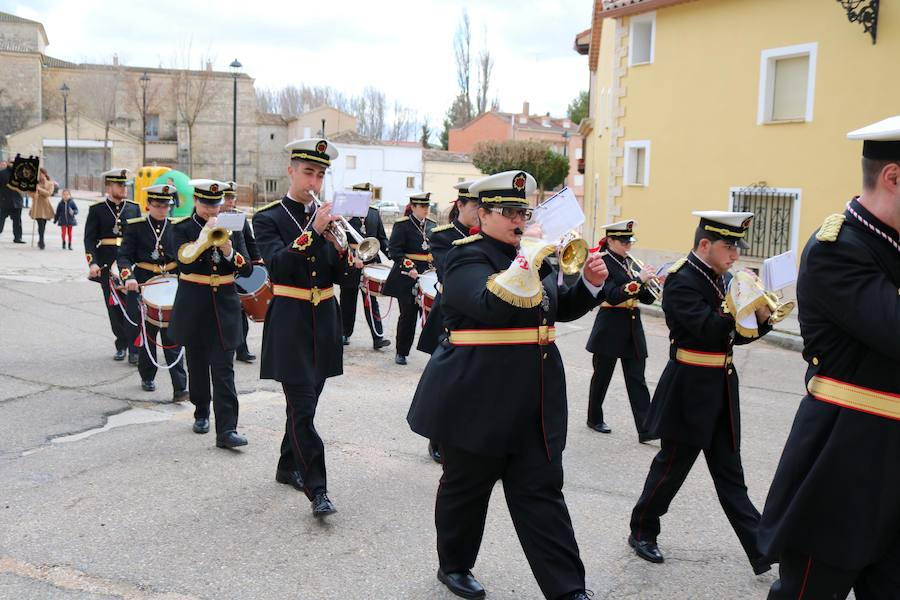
point(573, 253)
point(368, 249)
point(189, 252)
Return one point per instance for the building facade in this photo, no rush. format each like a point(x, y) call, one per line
point(685, 114)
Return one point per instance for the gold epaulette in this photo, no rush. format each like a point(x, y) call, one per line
point(468, 239)
point(401, 219)
point(136, 220)
point(830, 229)
point(267, 206)
point(678, 264)
point(174, 220)
point(440, 228)
point(133, 202)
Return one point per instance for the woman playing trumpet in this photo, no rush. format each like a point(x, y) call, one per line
point(618, 333)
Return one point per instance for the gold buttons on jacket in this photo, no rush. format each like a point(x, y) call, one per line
point(815, 360)
point(730, 370)
point(312, 258)
point(313, 273)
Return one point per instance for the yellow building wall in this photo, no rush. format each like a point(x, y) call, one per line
point(439, 177)
point(697, 104)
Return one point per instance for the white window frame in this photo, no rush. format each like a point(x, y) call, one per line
point(796, 205)
point(644, 18)
point(767, 80)
point(645, 144)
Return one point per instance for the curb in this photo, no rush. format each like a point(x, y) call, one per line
point(785, 339)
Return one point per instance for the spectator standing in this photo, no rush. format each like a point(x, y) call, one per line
point(10, 203)
point(65, 217)
point(41, 209)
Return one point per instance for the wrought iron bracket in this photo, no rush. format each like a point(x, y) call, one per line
point(865, 12)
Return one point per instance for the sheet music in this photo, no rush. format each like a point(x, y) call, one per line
point(231, 221)
point(351, 204)
point(780, 271)
point(559, 214)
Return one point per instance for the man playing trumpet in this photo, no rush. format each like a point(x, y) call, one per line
point(493, 395)
point(206, 316)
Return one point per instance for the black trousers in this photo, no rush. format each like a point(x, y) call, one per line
point(41, 227)
point(635, 384)
point(207, 360)
point(803, 577)
point(348, 311)
point(245, 323)
point(124, 332)
point(533, 489)
point(668, 471)
point(146, 367)
point(406, 323)
point(301, 448)
point(15, 215)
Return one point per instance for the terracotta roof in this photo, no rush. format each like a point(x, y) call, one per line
point(621, 8)
point(351, 137)
point(445, 156)
point(583, 41)
point(534, 122)
point(596, 30)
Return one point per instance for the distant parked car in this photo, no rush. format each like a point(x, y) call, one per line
point(386, 207)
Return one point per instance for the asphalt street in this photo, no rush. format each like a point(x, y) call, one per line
point(105, 492)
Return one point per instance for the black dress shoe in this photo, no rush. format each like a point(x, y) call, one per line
point(181, 396)
point(381, 343)
point(322, 506)
point(646, 549)
point(761, 565)
point(434, 452)
point(292, 478)
point(345, 340)
point(230, 439)
point(148, 386)
point(400, 359)
point(18, 241)
point(246, 357)
point(643, 438)
point(600, 427)
point(201, 425)
point(463, 585)
point(133, 358)
point(119, 355)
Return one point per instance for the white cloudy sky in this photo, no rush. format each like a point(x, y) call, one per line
point(404, 47)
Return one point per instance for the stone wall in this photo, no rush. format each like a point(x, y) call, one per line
point(20, 91)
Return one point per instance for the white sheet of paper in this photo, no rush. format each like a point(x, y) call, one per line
point(780, 271)
point(231, 221)
point(559, 214)
point(351, 204)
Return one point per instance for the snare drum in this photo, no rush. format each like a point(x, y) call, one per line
point(255, 293)
point(427, 290)
point(373, 279)
point(158, 294)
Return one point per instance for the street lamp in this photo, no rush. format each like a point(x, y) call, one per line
point(144, 81)
point(235, 71)
point(65, 94)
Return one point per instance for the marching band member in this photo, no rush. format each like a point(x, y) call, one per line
point(695, 407)
point(463, 217)
point(103, 231)
point(301, 345)
point(494, 414)
point(411, 252)
point(832, 517)
point(371, 226)
point(618, 334)
point(148, 250)
point(243, 353)
point(206, 313)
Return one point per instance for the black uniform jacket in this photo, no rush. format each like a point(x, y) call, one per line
point(406, 239)
point(100, 224)
point(689, 399)
point(203, 311)
point(301, 341)
point(441, 240)
point(138, 245)
point(618, 331)
point(250, 240)
point(836, 492)
point(371, 226)
point(489, 400)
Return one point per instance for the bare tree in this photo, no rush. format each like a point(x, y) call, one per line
point(404, 124)
point(266, 101)
point(103, 86)
point(485, 66)
point(462, 46)
point(192, 94)
point(369, 110)
point(155, 92)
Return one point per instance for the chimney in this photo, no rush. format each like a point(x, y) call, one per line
point(115, 60)
point(525, 108)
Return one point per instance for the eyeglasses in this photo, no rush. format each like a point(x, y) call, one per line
point(513, 213)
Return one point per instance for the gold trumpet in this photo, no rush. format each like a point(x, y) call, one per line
point(190, 251)
point(653, 285)
point(780, 310)
point(368, 248)
point(572, 252)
